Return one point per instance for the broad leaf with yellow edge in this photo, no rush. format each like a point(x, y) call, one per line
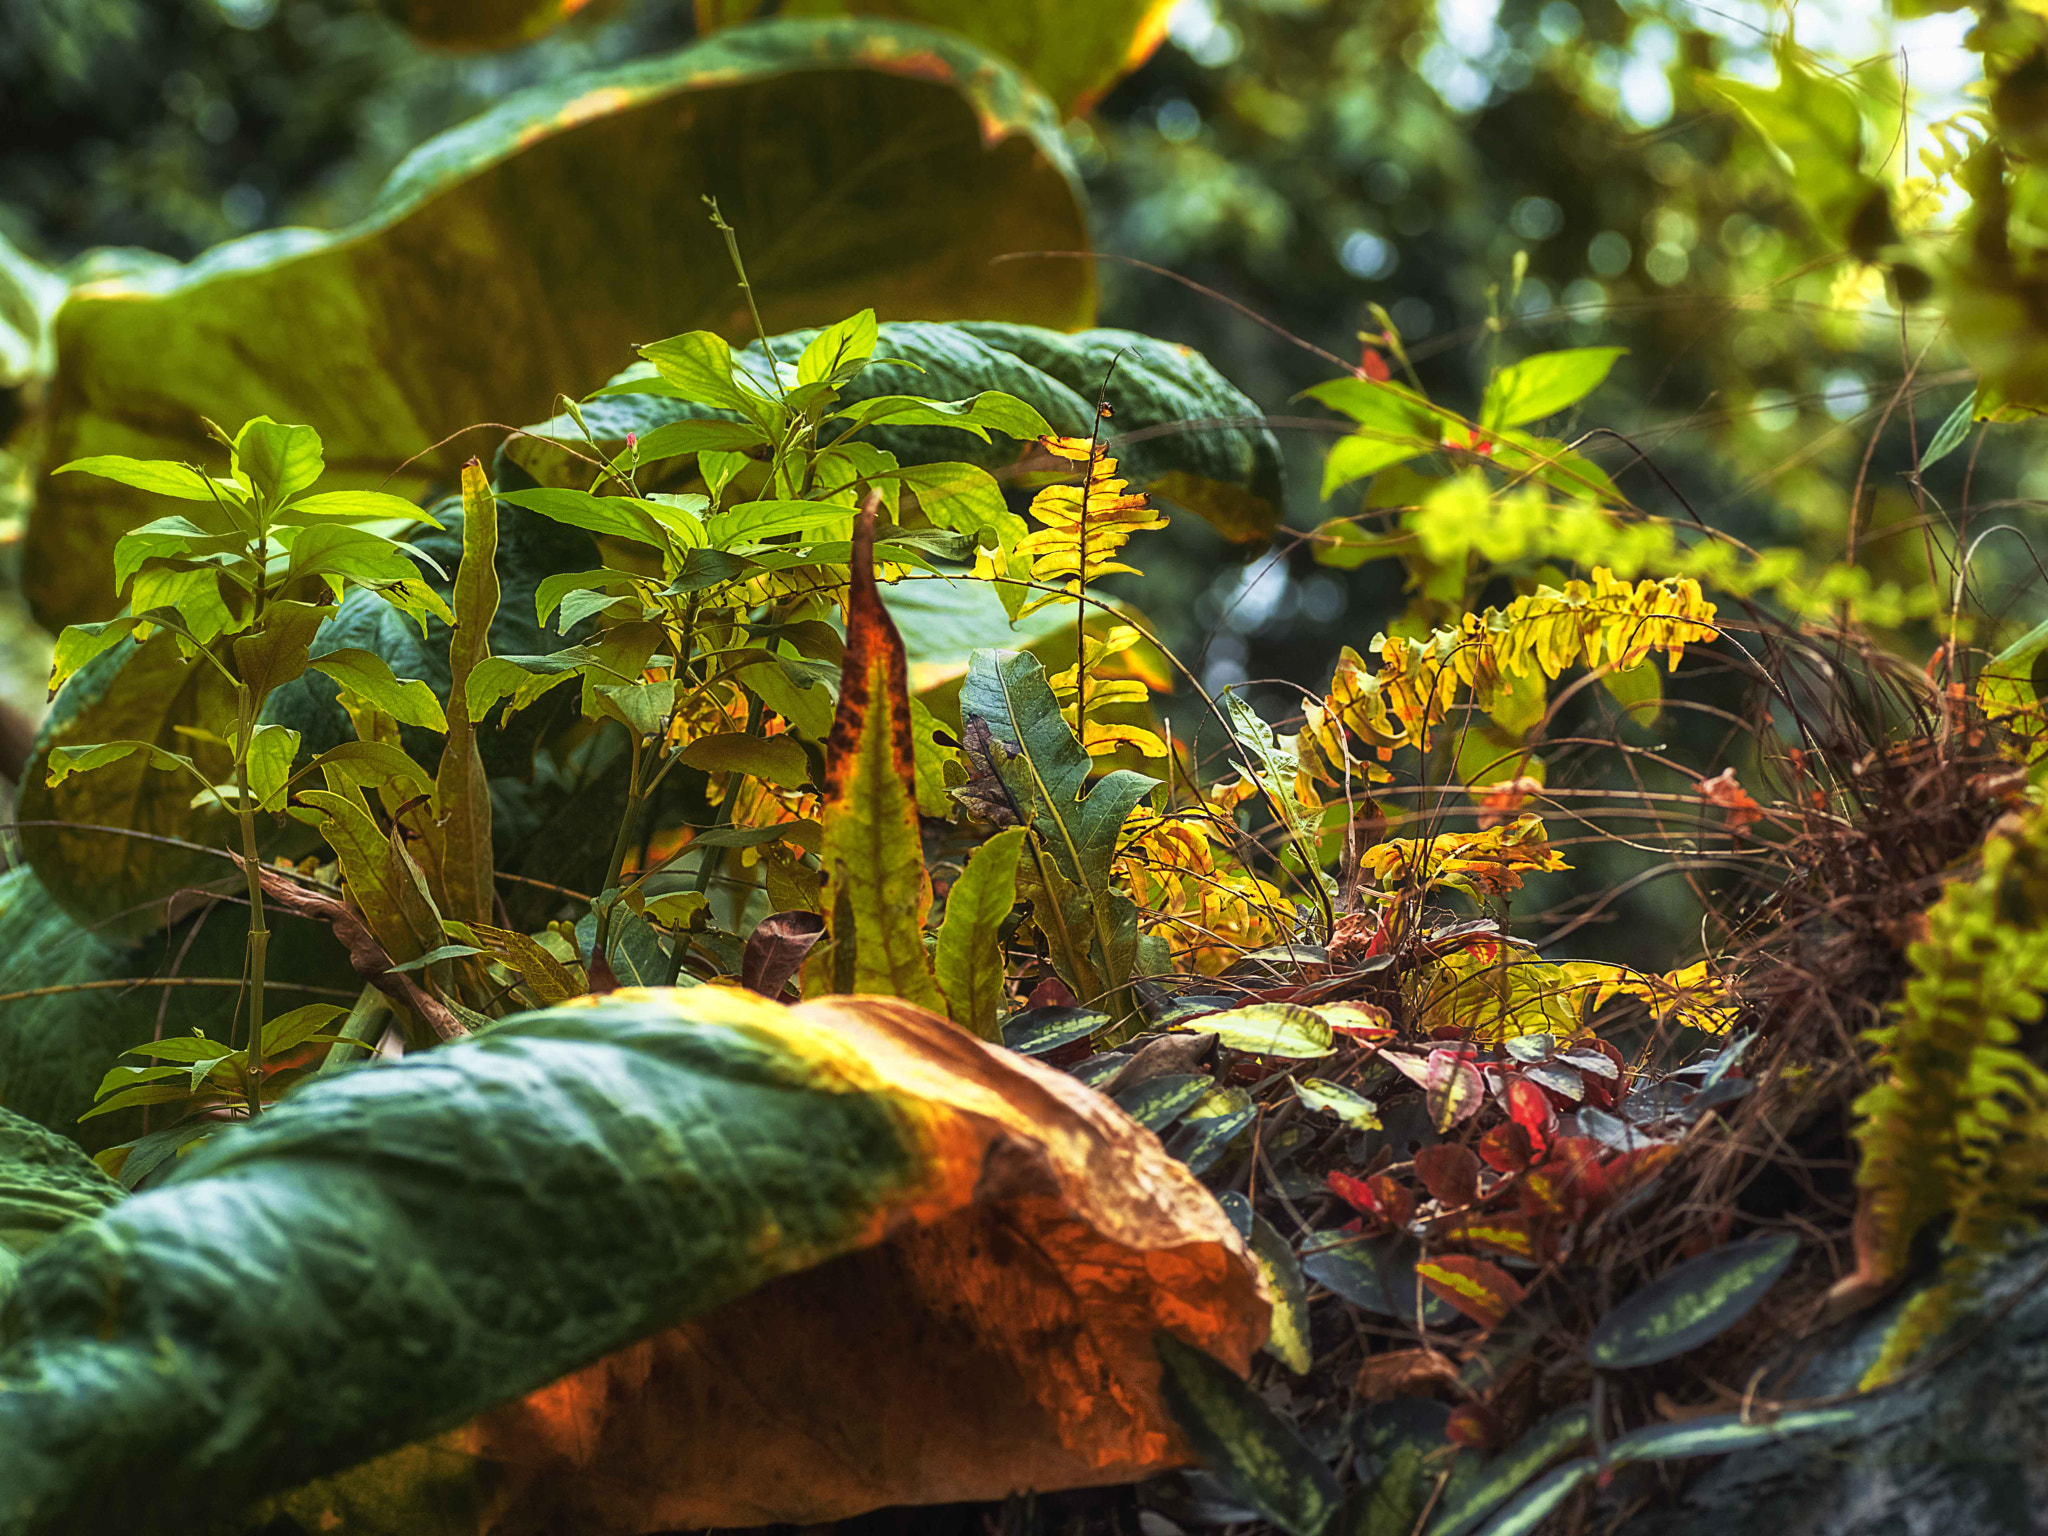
point(845, 1224)
point(1074, 50)
point(418, 321)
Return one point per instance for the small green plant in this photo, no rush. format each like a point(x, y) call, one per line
point(243, 579)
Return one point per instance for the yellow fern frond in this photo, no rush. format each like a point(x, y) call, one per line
point(1086, 525)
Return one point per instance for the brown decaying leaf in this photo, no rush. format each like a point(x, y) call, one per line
point(995, 1337)
point(776, 950)
point(369, 958)
point(874, 651)
point(1406, 1373)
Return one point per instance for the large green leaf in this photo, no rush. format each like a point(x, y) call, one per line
point(393, 1250)
point(1074, 49)
point(527, 251)
point(1209, 452)
point(118, 880)
point(46, 1183)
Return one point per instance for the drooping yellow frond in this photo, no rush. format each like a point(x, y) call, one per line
point(1603, 622)
point(1210, 909)
point(1489, 863)
point(1086, 525)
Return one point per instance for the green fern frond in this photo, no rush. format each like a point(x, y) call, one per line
point(1958, 1127)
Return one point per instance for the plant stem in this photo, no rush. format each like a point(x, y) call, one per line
point(732, 249)
point(252, 869)
point(628, 821)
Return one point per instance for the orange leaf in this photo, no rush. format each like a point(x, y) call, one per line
point(1484, 1292)
point(1502, 802)
point(1722, 790)
point(1405, 1373)
point(911, 1368)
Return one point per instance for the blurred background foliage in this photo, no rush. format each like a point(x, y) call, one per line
point(1307, 160)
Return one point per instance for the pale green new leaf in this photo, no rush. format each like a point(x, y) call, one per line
point(161, 476)
point(1354, 1109)
point(1696, 1302)
point(991, 409)
point(65, 761)
point(1269, 1029)
point(619, 517)
point(366, 676)
point(963, 497)
point(1545, 384)
point(364, 505)
point(271, 751)
point(277, 460)
point(839, 351)
point(80, 643)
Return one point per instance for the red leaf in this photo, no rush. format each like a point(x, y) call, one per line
point(1051, 993)
point(1379, 1197)
point(1449, 1172)
point(1354, 1192)
point(1530, 1108)
point(1484, 1292)
point(1507, 1148)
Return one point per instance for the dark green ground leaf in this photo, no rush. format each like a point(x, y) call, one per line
point(1401, 1453)
point(1207, 1130)
point(1722, 1433)
point(1159, 1101)
point(1038, 1030)
point(1694, 1303)
point(1532, 1507)
point(1374, 1274)
point(1478, 1488)
point(1252, 1451)
point(417, 321)
point(1289, 1341)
